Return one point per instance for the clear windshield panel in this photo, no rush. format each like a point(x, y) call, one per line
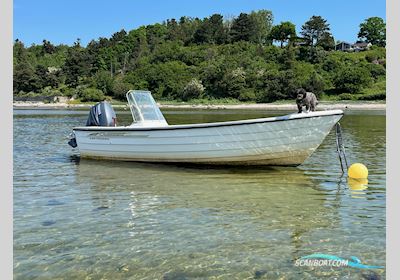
point(143, 106)
point(137, 117)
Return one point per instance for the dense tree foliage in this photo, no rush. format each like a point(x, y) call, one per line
point(194, 58)
point(352, 79)
point(263, 20)
point(243, 28)
point(283, 32)
point(316, 32)
point(373, 30)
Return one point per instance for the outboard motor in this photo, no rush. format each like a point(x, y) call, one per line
point(102, 114)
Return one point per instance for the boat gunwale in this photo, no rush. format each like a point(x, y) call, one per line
point(212, 124)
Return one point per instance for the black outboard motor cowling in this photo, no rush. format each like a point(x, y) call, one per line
point(101, 114)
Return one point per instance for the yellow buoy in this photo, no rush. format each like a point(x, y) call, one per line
point(358, 171)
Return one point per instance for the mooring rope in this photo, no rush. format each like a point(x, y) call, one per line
point(340, 147)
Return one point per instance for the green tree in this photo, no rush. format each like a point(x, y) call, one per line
point(211, 74)
point(120, 88)
point(118, 37)
point(277, 85)
point(173, 29)
point(103, 81)
point(48, 47)
point(263, 23)
point(136, 79)
point(156, 34)
point(376, 70)
point(20, 53)
point(168, 79)
point(314, 55)
point(234, 82)
point(331, 64)
point(315, 29)
point(283, 32)
point(187, 28)
point(315, 84)
point(77, 65)
point(243, 28)
point(373, 30)
point(54, 78)
point(327, 42)
point(41, 76)
point(24, 78)
point(287, 58)
point(211, 30)
point(352, 79)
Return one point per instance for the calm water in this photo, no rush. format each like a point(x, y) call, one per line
point(85, 219)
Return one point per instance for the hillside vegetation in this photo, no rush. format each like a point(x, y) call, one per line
point(245, 58)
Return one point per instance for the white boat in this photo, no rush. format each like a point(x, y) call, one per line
point(284, 140)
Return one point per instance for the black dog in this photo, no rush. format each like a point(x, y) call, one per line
point(307, 99)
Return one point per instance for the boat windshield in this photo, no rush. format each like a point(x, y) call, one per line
point(143, 106)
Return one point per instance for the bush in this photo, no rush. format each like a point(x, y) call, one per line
point(49, 91)
point(234, 82)
point(312, 55)
point(332, 63)
point(278, 85)
point(91, 94)
point(306, 77)
point(272, 53)
point(315, 84)
point(103, 81)
point(372, 56)
point(346, 96)
point(375, 53)
point(135, 79)
point(375, 96)
point(193, 89)
point(351, 79)
point(67, 91)
point(120, 88)
point(376, 70)
point(247, 95)
point(166, 80)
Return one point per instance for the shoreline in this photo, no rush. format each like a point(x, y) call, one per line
point(324, 105)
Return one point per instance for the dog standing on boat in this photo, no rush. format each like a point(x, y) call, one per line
point(307, 99)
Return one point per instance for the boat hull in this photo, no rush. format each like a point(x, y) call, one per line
point(286, 140)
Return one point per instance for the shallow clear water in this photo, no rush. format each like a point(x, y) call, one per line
point(87, 219)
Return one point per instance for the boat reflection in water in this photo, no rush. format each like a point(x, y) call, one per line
point(171, 212)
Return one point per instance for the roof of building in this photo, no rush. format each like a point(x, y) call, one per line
point(347, 43)
point(361, 44)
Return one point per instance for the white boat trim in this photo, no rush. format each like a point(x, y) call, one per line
point(290, 117)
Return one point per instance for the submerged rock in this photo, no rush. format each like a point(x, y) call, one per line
point(259, 273)
point(175, 275)
point(371, 276)
point(54, 202)
point(123, 267)
point(102, 208)
point(48, 223)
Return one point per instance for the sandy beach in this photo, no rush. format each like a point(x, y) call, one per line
point(259, 106)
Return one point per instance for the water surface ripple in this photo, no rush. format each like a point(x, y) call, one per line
point(87, 219)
